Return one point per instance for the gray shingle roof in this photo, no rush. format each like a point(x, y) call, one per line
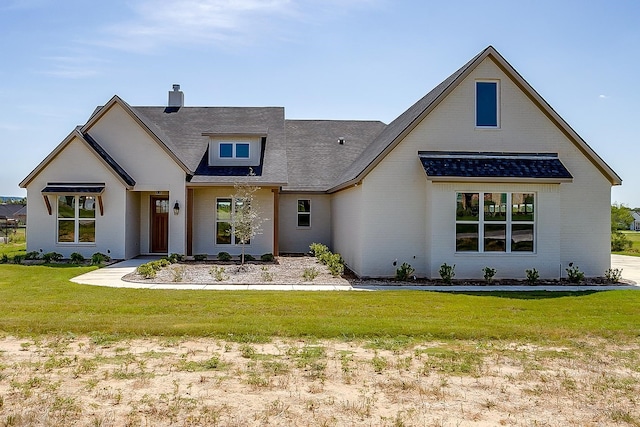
point(182, 132)
point(109, 160)
point(493, 165)
point(314, 154)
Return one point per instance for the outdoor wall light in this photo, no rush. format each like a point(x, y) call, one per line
point(176, 208)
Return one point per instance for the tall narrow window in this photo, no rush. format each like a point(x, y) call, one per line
point(487, 103)
point(304, 213)
point(76, 219)
point(225, 216)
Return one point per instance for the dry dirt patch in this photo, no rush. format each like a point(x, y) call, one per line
point(191, 382)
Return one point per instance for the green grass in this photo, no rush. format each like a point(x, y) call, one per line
point(16, 246)
point(40, 299)
point(634, 236)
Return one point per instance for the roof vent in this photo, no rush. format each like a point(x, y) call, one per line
point(176, 97)
point(341, 140)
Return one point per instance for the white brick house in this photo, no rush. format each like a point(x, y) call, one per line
point(479, 172)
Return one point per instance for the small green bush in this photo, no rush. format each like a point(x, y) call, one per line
point(532, 276)
point(51, 256)
point(447, 272)
point(146, 270)
point(249, 257)
point(620, 242)
point(335, 263)
point(318, 249)
point(224, 256)
point(218, 273)
point(76, 258)
point(98, 258)
point(489, 273)
point(32, 255)
point(574, 275)
point(267, 257)
point(404, 272)
point(613, 275)
point(309, 274)
point(4, 259)
point(18, 258)
point(267, 276)
point(174, 258)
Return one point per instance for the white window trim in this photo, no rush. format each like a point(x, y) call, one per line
point(304, 227)
point(508, 223)
point(231, 221)
point(76, 222)
point(234, 148)
point(475, 105)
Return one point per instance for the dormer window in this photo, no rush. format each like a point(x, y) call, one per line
point(487, 104)
point(234, 150)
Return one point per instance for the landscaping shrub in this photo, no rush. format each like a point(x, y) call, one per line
point(173, 258)
point(146, 270)
point(18, 258)
point(98, 258)
point(218, 273)
point(404, 272)
point(32, 255)
point(532, 276)
point(613, 275)
point(574, 275)
point(447, 272)
point(51, 256)
point(267, 257)
point(248, 257)
point(202, 257)
point(76, 258)
point(224, 256)
point(620, 242)
point(317, 249)
point(4, 259)
point(309, 274)
point(335, 263)
point(489, 273)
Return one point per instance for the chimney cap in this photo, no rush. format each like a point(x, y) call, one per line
point(176, 87)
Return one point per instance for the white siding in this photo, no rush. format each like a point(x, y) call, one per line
point(77, 164)
point(297, 239)
point(347, 227)
point(204, 217)
point(149, 165)
point(573, 222)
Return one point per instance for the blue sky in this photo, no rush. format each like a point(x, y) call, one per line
point(321, 59)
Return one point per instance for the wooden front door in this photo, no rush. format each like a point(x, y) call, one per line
point(159, 224)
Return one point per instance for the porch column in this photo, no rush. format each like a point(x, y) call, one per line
point(276, 220)
point(189, 221)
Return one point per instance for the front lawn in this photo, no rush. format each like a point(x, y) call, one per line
point(40, 299)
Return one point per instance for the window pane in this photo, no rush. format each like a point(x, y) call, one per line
point(223, 233)
point(87, 231)
point(467, 206)
point(522, 206)
point(66, 206)
point(304, 205)
point(242, 151)
point(87, 207)
point(522, 238)
point(304, 220)
point(66, 231)
point(495, 238)
point(226, 150)
point(486, 104)
point(466, 237)
point(495, 206)
point(223, 209)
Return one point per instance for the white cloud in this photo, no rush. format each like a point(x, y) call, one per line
point(603, 97)
point(157, 24)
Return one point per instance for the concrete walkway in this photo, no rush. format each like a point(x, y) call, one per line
point(112, 275)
